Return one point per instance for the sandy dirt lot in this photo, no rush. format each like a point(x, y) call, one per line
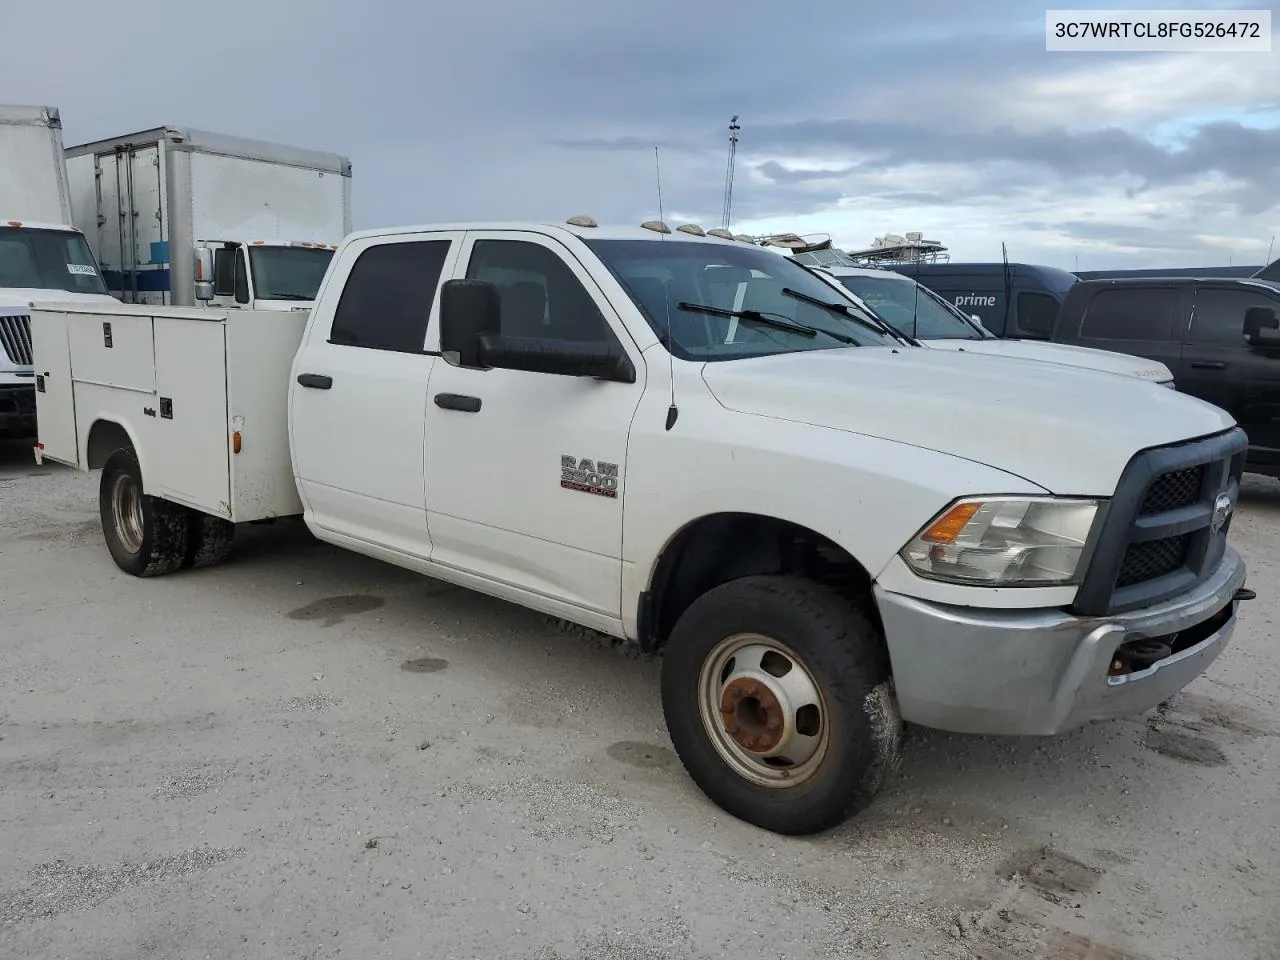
point(308, 754)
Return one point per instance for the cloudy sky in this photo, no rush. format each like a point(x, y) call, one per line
point(858, 119)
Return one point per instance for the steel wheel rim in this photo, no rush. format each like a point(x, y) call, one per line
point(126, 512)
point(762, 710)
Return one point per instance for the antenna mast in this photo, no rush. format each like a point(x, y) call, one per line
point(734, 127)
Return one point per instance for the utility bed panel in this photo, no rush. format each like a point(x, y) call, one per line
point(181, 382)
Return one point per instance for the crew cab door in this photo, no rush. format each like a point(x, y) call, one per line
point(1219, 365)
point(359, 392)
point(499, 442)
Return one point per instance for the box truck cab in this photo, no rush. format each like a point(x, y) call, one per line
point(916, 311)
point(41, 254)
point(178, 216)
point(260, 274)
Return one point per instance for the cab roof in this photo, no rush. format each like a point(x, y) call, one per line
point(582, 231)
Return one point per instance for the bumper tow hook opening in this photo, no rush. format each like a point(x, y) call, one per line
point(1135, 655)
point(1244, 593)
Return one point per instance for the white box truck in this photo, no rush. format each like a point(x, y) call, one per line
point(41, 254)
point(177, 215)
point(825, 530)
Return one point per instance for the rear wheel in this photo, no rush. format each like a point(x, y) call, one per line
point(778, 701)
point(146, 536)
point(209, 540)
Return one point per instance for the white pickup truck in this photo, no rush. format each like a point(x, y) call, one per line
point(692, 443)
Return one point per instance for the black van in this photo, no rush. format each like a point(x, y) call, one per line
point(1220, 337)
point(1015, 301)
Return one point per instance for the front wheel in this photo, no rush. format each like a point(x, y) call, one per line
point(778, 701)
point(147, 536)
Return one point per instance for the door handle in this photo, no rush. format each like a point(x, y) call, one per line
point(316, 380)
point(457, 401)
point(1208, 364)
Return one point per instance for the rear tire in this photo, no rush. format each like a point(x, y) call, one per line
point(147, 536)
point(209, 541)
point(779, 703)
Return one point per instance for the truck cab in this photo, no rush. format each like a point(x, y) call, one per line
point(260, 274)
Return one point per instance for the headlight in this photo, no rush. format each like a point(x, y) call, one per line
point(1005, 542)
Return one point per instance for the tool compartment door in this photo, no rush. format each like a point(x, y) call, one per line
point(55, 398)
point(190, 457)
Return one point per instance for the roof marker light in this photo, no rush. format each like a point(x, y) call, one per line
point(656, 225)
point(720, 232)
point(692, 228)
point(581, 221)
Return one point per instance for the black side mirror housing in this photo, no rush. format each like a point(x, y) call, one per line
point(1261, 326)
point(469, 309)
point(567, 358)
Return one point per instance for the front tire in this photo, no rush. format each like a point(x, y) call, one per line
point(778, 701)
point(147, 536)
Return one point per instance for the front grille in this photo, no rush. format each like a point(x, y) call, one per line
point(15, 339)
point(1151, 559)
point(1157, 538)
point(1173, 491)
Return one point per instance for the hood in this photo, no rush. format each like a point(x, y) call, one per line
point(1056, 426)
point(24, 296)
point(1103, 360)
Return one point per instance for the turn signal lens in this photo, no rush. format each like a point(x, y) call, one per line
point(235, 442)
point(946, 529)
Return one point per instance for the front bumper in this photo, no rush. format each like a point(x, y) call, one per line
point(18, 409)
point(971, 670)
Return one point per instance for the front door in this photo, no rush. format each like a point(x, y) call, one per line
point(1219, 366)
point(359, 393)
point(525, 470)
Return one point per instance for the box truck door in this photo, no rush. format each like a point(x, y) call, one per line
point(135, 261)
point(55, 400)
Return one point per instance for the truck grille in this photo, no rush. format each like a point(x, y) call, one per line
point(15, 339)
point(1158, 538)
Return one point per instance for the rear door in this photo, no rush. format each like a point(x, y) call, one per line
point(1145, 321)
point(1219, 366)
point(359, 394)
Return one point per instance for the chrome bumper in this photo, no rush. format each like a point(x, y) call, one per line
point(973, 670)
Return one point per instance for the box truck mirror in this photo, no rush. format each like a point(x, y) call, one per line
point(204, 273)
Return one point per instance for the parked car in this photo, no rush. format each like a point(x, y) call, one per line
point(915, 311)
point(1011, 300)
point(1217, 334)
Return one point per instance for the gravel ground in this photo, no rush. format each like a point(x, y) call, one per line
point(308, 754)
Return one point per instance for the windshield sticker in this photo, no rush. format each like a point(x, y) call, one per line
point(81, 270)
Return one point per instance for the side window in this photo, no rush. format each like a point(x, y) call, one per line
point(224, 272)
point(388, 295)
point(540, 295)
point(1219, 315)
point(1036, 313)
point(1131, 313)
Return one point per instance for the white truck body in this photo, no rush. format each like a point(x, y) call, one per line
point(944, 327)
point(148, 200)
point(41, 254)
point(824, 529)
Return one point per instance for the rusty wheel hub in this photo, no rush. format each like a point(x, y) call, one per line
point(752, 715)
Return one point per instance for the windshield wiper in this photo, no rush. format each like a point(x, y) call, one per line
point(287, 296)
point(755, 316)
point(843, 309)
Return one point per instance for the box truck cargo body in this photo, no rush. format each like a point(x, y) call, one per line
point(41, 254)
point(268, 215)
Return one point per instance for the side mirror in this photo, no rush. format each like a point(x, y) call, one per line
point(204, 273)
point(564, 357)
point(468, 309)
point(1261, 327)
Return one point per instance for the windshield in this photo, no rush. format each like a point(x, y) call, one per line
point(288, 273)
point(660, 274)
point(47, 260)
point(897, 299)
